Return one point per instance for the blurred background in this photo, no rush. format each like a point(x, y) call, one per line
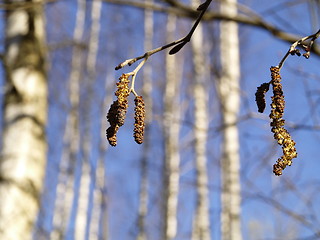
point(204, 170)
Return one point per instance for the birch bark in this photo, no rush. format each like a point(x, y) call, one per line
point(171, 132)
point(23, 155)
point(65, 187)
point(99, 228)
point(146, 93)
point(201, 228)
point(228, 88)
point(83, 219)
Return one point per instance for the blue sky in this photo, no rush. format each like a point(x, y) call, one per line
point(121, 37)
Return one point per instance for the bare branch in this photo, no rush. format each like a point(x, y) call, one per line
point(300, 43)
point(251, 20)
point(179, 43)
point(147, 54)
point(24, 5)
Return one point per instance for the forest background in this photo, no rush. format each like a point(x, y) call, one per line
point(204, 170)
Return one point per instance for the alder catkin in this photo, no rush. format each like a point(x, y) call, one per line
point(122, 98)
point(112, 135)
point(118, 109)
point(123, 88)
point(139, 118)
point(260, 96)
point(277, 124)
point(112, 113)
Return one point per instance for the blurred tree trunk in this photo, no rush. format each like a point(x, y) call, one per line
point(229, 93)
point(83, 218)
point(65, 188)
point(171, 140)
point(99, 227)
point(99, 222)
point(98, 174)
point(23, 155)
point(146, 93)
point(101, 193)
point(201, 222)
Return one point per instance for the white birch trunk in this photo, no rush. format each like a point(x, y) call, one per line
point(98, 198)
point(146, 93)
point(98, 194)
point(101, 179)
point(82, 220)
point(171, 132)
point(23, 155)
point(228, 88)
point(201, 228)
point(64, 196)
point(99, 228)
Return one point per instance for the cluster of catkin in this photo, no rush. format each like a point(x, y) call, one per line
point(118, 109)
point(281, 135)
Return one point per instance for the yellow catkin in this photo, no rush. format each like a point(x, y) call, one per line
point(281, 135)
point(118, 109)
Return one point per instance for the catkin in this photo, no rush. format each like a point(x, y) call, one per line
point(260, 96)
point(281, 135)
point(118, 109)
point(112, 135)
point(139, 118)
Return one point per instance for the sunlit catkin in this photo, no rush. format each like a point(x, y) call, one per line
point(281, 135)
point(139, 118)
point(123, 88)
point(118, 109)
point(122, 97)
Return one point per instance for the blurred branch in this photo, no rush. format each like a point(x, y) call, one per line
point(67, 43)
point(186, 11)
point(305, 220)
point(24, 5)
point(286, 210)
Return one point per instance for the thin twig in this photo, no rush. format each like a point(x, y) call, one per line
point(247, 19)
point(147, 54)
point(293, 48)
point(181, 41)
point(133, 74)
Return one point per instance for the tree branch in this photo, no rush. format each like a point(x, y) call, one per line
point(179, 43)
point(212, 15)
point(300, 43)
point(23, 5)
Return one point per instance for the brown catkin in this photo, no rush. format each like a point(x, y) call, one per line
point(118, 109)
point(112, 113)
point(117, 113)
point(277, 124)
point(260, 96)
point(112, 135)
point(139, 118)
